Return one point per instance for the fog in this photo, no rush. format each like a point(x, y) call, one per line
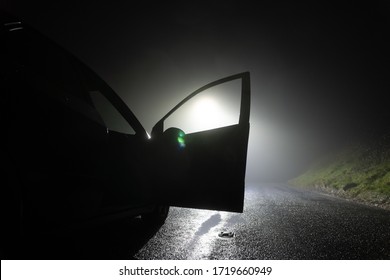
point(319, 72)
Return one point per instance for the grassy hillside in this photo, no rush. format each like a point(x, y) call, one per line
point(360, 172)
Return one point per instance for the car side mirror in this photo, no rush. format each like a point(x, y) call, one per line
point(173, 139)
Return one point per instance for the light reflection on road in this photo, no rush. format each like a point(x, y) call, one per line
point(197, 235)
point(206, 236)
point(193, 234)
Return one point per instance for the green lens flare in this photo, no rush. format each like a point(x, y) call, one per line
point(180, 140)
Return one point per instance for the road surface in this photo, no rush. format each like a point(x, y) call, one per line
point(279, 222)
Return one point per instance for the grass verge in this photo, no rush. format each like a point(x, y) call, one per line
point(360, 173)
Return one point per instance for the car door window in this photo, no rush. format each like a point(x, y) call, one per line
point(204, 167)
point(216, 107)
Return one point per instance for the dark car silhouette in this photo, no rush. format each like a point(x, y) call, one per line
point(76, 153)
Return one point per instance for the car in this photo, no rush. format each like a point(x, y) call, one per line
point(76, 154)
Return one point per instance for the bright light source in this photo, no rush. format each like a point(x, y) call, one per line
point(207, 113)
point(212, 108)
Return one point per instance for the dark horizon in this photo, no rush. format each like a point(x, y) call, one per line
point(319, 71)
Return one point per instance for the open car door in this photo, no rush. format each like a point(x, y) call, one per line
point(205, 167)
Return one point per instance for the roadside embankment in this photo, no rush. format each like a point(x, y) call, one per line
point(360, 173)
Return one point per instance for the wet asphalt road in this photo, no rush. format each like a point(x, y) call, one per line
point(279, 222)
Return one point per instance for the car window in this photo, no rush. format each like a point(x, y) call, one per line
point(61, 77)
point(46, 61)
point(218, 106)
point(112, 119)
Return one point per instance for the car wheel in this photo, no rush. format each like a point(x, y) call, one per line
point(157, 216)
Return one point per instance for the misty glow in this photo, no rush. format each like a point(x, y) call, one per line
point(208, 114)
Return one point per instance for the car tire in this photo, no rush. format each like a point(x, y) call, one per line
point(157, 216)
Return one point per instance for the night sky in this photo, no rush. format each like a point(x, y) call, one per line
point(320, 71)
